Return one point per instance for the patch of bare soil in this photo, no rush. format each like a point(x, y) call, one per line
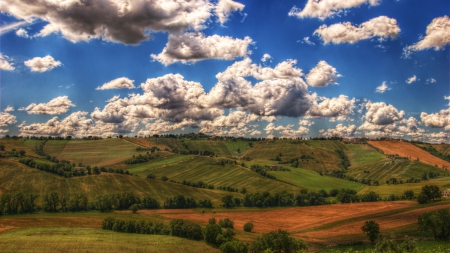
point(407, 149)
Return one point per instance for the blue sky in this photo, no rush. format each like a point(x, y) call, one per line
point(374, 68)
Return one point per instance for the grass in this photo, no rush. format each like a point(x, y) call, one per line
point(144, 167)
point(421, 246)
point(54, 147)
point(314, 181)
point(362, 154)
point(397, 168)
point(17, 177)
point(103, 152)
point(218, 147)
point(27, 145)
point(201, 169)
point(70, 239)
point(398, 189)
point(233, 146)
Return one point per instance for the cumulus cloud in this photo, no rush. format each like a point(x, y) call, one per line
point(235, 123)
point(22, 33)
point(159, 127)
point(5, 64)
point(7, 119)
point(339, 131)
point(42, 64)
point(225, 7)
point(382, 27)
point(437, 36)
point(339, 108)
point(328, 8)
point(437, 120)
point(382, 88)
point(124, 21)
point(322, 75)
point(58, 105)
point(305, 122)
point(266, 58)
point(287, 131)
point(118, 83)
point(195, 46)
point(381, 114)
point(411, 80)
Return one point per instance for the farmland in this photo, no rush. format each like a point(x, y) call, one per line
point(306, 164)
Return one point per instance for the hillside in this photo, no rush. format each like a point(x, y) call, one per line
point(406, 149)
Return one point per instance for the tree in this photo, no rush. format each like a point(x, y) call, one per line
point(2, 147)
point(228, 201)
point(436, 223)
point(429, 193)
point(372, 230)
point(51, 202)
point(211, 232)
point(347, 196)
point(408, 194)
point(234, 246)
point(134, 208)
point(248, 227)
point(277, 241)
point(226, 223)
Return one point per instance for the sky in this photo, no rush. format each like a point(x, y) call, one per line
point(285, 68)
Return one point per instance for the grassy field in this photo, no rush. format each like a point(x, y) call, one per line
point(218, 147)
point(362, 154)
point(314, 181)
point(233, 146)
point(398, 189)
point(397, 168)
point(70, 239)
point(27, 145)
point(55, 147)
point(139, 168)
point(201, 169)
point(104, 152)
point(17, 177)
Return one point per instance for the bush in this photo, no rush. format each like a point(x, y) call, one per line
point(186, 229)
point(226, 223)
point(234, 246)
point(211, 232)
point(372, 230)
point(436, 223)
point(248, 227)
point(277, 241)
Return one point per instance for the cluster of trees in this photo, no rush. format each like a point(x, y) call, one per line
point(199, 184)
point(66, 169)
point(434, 152)
point(262, 170)
point(17, 203)
point(140, 159)
point(152, 149)
point(429, 193)
point(436, 223)
point(344, 163)
point(277, 241)
point(185, 202)
point(12, 153)
point(223, 161)
point(429, 175)
point(132, 226)
point(116, 201)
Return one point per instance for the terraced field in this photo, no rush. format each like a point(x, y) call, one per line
point(201, 169)
point(54, 147)
point(386, 190)
point(218, 147)
point(360, 154)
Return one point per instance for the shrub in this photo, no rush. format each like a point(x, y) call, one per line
point(226, 223)
point(248, 227)
point(234, 246)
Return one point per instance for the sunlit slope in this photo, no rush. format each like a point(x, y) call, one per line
point(322, 152)
point(218, 147)
point(17, 177)
point(314, 181)
point(54, 147)
point(398, 189)
point(103, 152)
point(407, 149)
point(201, 169)
point(360, 154)
point(20, 144)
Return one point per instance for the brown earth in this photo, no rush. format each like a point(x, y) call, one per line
point(290, 219)
point(407, 149)
point(19, 222)
point(385, 222)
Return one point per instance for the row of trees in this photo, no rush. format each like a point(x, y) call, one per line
point(185, 202)
point(199, 184)
point(17, 203)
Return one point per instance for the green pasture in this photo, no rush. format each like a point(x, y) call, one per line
point(19, 178)
point(397, 168)
point(201, 169)
point(442, 148)
point(103, 152)
point(218, 147)
point(170, 143)
point(398, 189)
point(75, 239)
point(19, 144)
point(54, 147)
point(314, 181)
point(144, 167)
point(233, 146)
point(362, 154)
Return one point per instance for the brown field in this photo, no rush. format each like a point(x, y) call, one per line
point(290, 219)
point(409, 150)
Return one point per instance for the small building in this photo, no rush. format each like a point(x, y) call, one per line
point(446, 193)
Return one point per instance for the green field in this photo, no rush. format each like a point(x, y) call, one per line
point(233, 146)
point(201, 169)
point(314, 181)
point(398, 189)
point(218, 147)
point(362, 154)
point(138, 168)
point(17, 177)
point(55, 147)
point(27, 145)
point(70, 239)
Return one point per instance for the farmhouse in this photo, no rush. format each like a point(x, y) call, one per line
point(446, 193)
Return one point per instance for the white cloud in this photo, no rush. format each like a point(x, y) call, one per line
point(437, 36)
point(266, 57)
point(307, 41)
point(9, 109)
point(339, 108)
point(10, 27)
point(128, 22)
point(339, 131)
point(6, 118)
point(437, 120)
point(305, 122)
point(22, 33)
point(411, 80)
point(195, 46)
point(57, 105)
point(328, 8)
point(5, 64)
point(118, 83)
point(225, 7)
point(322, 75)
point(430, 80)
point(382, 88)
point(159, 127)
point(380, 114)
point(447, 98)
point(42, 64)
point(382, 27)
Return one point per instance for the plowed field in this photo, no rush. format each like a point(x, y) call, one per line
point(409, 150)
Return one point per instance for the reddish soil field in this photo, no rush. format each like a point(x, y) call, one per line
point(409, 150)
point(290, 219)
point(10, 223)
point(386, 222)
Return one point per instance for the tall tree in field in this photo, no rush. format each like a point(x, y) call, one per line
point(51, 202)
point(372, 230)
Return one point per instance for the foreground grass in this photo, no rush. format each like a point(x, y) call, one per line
point(421, 246)
point(70, 239)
